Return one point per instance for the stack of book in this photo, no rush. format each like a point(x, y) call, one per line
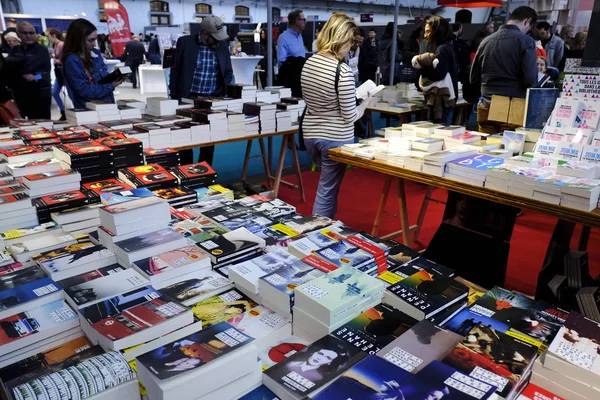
point(295, 105)
point(242, 91)
point(472, 169)
point(428, 145)
point(130, 219)
point(79, 220)
point(521, 182)
point(435, 163)
point(252, 125)
point(16, 235)
point(166, 158)
point(80, 116)
point(159, 136)
point(266, 113)
point(132, 103)
point(127, 151)
point(236, 124)
point(180, 135)
point(581, 194)
point(19, 153)
point(18, 170)
point(549, 188)
point(199, 131)
point(147, 245)
point(280, 90)
point(17, 211)
point(177, 196)
point(72, 136)
point(284, 120)
point(160, 106)
point(46, 183)
point(130, 112)
point(325, 303)
point(194, 176)
point(91, 159)
point(46, 205)
point(217, 120)
point(267, 96)
point(105, 111)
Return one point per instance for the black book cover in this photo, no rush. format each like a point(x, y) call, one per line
point(61, 201)
point(96, 175)
point(122, 145)
point(86, 151)
point(230, 244)
point(117, 75)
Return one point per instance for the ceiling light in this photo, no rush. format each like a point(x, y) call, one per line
point(83, 14)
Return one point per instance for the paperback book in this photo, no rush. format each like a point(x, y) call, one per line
point(173, 263)
point(193, 288)
point(222, 307)
point(281, 350)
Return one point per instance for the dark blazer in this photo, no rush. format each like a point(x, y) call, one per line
point(186, 55)
point(134, 53)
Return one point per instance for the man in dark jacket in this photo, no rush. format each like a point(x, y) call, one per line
point(134, 57)
point(462, 50)
point(28, 74)
point(371, 50)
point(505, 65)
point(202, 68)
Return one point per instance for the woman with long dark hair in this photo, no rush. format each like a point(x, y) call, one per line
point(56, 40)
point(83, 66)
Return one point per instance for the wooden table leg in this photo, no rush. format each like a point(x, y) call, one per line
point(265, 159)
point(284, 142)
point(403, 212)
point(298, 170)
point(370, 131)
point(422, 213)
point(246, 159)
point(270, 151)
point(382, 200)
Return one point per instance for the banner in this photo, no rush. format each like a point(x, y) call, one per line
point(118, 26)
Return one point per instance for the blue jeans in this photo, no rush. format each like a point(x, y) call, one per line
point(332, 173)
point(56, 89)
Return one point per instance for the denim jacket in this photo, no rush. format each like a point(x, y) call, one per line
point(79, 85)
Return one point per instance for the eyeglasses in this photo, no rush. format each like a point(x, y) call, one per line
point(27, 33)
point(302, 19)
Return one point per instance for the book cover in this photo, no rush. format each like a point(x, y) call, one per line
point(44, 359)
point(439, 381)
point(194, 350)
point(288, 277)
point(25, 285)
point(173, 194)
point(428, 291)
point(77, 258)
point(260, 393)
point(492, 357)
point(90, 276)
point(418, 264)
point(48, 175)
point(340, 287)
point(126, 195)
point(34, 321)
point(253, 222)
point(193, 172)
point(148, 240)
point(375, 328)
point(222, 307)
point(170, 260)
point(258, 322)
point(115, 305)
point(534, 392)
point(281, 350)
point(314, 366)
point(576, 343)
point(420, 345)
point(67, 199)
point(83, 243)
point(513, 141)
point(467, 319)
point(231, 243)
point(372, 378)
point(110, 285)
point(253, 269)
point(304, 224)
point(106, 186)
point(13, 198)
point(343, 253)
point(539, 104)
point(187, 290)
point(199, 228)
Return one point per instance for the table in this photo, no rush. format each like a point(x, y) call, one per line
point(588, 219)
point(243, 68)
point(152, 79)
point(274, 181)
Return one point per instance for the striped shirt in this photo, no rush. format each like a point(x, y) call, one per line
point(329, 115)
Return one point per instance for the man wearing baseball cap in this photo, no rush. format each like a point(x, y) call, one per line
point(202, 68)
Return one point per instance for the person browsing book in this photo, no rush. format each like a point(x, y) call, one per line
point(329, 92)
point(83, 66)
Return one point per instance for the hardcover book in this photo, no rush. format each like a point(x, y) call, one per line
point(222, 307)
point(420, 345)
point(195, 350)
point(375, 328)
point(312, 368)
point(492, 357)
point(281, 350)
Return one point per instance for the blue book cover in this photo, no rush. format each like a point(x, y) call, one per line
point(440, 381)
point(539, 105)
point(343, 253)
point(467, 319)
point(290, 276)
point(25, 285)
point(126, 195)
point(480, 162)
point(372, 378)
point(260, 393)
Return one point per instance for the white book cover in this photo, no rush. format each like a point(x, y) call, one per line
point(569, 151)
point(369, 87)
point(258, 322)
point(513, 141)
point(589, 115)
point(566, 113)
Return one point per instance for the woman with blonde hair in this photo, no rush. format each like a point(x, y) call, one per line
point(329, 91)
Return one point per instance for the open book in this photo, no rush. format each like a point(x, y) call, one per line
point(117, 74)
point(362, 92)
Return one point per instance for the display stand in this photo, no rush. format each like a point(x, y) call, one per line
point(152, 79)
point(243, 68)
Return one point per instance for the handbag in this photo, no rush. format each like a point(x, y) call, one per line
point(301, 118)
point(8, 111)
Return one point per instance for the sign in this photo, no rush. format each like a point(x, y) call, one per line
point(366, 17)
point(117, 20)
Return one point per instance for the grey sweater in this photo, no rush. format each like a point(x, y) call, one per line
point(505, 64)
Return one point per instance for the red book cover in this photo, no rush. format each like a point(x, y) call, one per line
point(174, 193)
point(27, 132)
point(38, 135)
point(195, 171)
point(533, 392)
point(87, 147)
point(142, 170)
point(21, 151)
point(70, 135)
point(319, 263)
point(107, 186)
point(368, 247)
point(13, 198)
point(11, 190)
point(61, 198)
point(137, 318)
point(120, 141)
point(95, 127)
point(47, 175)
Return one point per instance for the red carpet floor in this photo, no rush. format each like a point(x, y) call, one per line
point(359, 197)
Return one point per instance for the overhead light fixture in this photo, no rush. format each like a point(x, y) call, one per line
point(75, 15)
point(83, 14)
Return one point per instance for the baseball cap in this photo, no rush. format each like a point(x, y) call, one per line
point(215, 27)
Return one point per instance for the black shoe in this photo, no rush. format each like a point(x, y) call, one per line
point(63, 116)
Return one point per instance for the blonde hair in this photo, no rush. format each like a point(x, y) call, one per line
point(337, 35)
